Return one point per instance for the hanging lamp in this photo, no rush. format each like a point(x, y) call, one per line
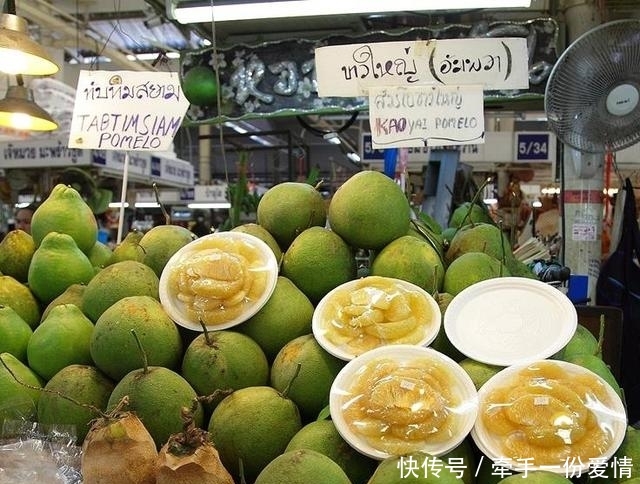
point(19, 111)
point(19, 54)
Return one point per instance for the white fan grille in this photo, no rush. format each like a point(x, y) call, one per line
point(584, 75)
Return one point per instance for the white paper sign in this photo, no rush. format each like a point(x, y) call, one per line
point(351, 70)
point(426, 116)
point(127, 110)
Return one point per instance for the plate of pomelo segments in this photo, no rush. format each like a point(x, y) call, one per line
point(219, 280)
point(549, 415)
point(510, 320)
point(374, 311)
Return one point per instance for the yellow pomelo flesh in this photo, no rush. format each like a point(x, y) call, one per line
point(286, 315)
point(369, 210)
point(16, 251)
point(157, 396)
point(317, 261)
point(85, 384)
point(116, 281)
point(20, 298)
point(302, 466)
point(65, 211)
point(17, 400)
point(410, 259)
point(161, 242)
point(14, 333)
point(113, 347)
point(317, 370)
point(289, 208)
point(322, 436)
point(224, 360)
point(56, 264)
point(254, 424)
point(62, 339)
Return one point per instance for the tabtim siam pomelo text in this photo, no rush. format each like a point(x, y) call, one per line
point(130, 131)
point(615, 468)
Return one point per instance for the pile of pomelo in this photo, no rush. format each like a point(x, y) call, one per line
point(85, 341)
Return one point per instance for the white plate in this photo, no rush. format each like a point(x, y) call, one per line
point(510, 320)
point(232, 243)
point(609, 414)
point(323, 325)
point(461, 402)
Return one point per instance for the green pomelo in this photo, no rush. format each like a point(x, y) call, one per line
point(113, 346)
point(20, 298)
point(65, 211)
point(481, 237)
point(56, 264)
point(89, 389)
point(469, 213)
point(157, 395)
point(304, 368)
point(369, 210)
point(19, 390)
point(478, 371)
point(253, 424)
point(629, 452)
point(302, 466)
point(14, 333)
point(128, 249)
point(161, 242)
point(16, 251)
point(317, 261)
point(470, 268)
point(100, 255)
point(286, 315)
point(62, 339)
point(322, 436)
point(414, 468)
point(117, 281)
point(71, 295)
point(518, 268)
point(597, 365)
point(200, 86)
point(536, 477)
point(463, 459)
point(489, 472)
point(224, 360)
point(447, 236)
point(289, 208)
point(583, 342)
point(411, 259)
point(263, 234)
point(442, 342)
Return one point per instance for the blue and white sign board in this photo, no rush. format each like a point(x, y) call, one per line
point(173, 170)
point(352, 70)
point(127, 110)
point(535, 147)
point(38, 153)
point(426, 115)
point(113, 161)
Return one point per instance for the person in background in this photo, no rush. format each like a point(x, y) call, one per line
point(23, 218)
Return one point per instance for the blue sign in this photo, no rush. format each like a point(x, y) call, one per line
point(368, 152)
point(533, 146)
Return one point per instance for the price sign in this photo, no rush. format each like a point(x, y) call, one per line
point(534, 147)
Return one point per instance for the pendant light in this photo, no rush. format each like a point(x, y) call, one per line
point(19, 54)
point(19, 111)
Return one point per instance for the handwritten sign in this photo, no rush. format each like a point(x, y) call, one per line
point(351, 70)
point(127, 110)
point(426, 115)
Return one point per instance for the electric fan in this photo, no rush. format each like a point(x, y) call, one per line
point(592, 98)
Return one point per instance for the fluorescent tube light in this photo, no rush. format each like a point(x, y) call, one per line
point(146, 205)
point(353, 156)
point(118, 205)
point(194, 12)
point(332, 138)
point(147, 56)
point(220, 205)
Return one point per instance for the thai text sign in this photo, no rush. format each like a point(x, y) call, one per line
point(127, 110)
point(351, 70)
point(426, 115)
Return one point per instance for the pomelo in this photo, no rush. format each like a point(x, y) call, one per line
point(71, 295)
point(306, 371)
point(480, 237)
point(87, 386)
point(289, 208)
point(161, 242)
point(470, 268)
point(478, 371)
point(317, 261)
point(116, 281)
point(128, 249)
point(253, 425)
point(536, 477)
point(369, 210)
point(14, 333)
point(469, 213)
point(16, 251)
point(113, 346)
point(100, 255)
point(263, 234)
point(20, 298)
point(19, 390)
point(302, 466)
point(286, 315)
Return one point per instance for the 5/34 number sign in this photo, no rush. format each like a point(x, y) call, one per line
point(533, 146)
